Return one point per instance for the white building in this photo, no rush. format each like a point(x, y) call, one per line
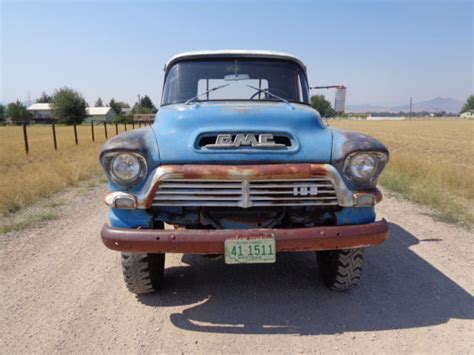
point(100, 114)
point(41, 113)
point(467, 114)
point(125, 111)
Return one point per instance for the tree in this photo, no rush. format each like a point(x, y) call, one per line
point(145, 102)
point(322, 105)
point(123, 104)
point(99, 103)
point(118, 106)
point(68, 106)
point(142, 109)
point(2, 113)
point(17, 112)
point(113, 105)
point(469, 105)
point(44, 98)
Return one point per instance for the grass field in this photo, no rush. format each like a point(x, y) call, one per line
point(431, 163)
point(27, 178)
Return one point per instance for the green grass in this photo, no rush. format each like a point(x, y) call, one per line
point(34, 220)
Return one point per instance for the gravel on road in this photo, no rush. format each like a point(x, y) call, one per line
point(62, 291)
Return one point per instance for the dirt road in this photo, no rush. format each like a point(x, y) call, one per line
point(62, 291)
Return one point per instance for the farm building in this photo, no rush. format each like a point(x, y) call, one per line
point(125, 111)
point(467, 114)
point(41, 113)
point(100, 114)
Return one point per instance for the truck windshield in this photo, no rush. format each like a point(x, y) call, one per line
point(238, 80)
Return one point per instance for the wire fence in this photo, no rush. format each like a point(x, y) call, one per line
point(108, 128)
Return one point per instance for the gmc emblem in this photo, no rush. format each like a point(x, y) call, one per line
point(238, 140)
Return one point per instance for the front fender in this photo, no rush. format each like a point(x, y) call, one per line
point(347, 142)
point(142, 141)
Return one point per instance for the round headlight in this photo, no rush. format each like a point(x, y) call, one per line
point(126, 168)
point(362, 166)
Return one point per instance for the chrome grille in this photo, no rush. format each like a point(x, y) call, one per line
point(244, 193)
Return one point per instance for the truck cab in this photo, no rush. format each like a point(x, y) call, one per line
point(237, 163)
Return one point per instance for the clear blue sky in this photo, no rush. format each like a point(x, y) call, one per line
point(384, 51)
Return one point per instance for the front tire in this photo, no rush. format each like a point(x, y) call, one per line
point(143, 273)
point(340, 269)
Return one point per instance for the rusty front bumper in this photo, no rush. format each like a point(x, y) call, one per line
point(212, 241)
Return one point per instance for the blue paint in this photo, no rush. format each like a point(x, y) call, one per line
point(140, 218)
point(172, 140)
point(129, 218)
point(177, 128)
point(355, 215)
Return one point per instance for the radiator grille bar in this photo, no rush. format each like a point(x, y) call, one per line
point(317, 191)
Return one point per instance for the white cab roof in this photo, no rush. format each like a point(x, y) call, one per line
point(243, 53)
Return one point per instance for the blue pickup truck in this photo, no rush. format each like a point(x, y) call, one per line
point(238, 163)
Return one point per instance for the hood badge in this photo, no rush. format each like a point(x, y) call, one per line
point(264, 141)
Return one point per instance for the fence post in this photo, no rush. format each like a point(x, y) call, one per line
point(116, 128)
point(25, 136)
point(75, 134)
point(133, 124)
point(125, 126)
point(105, 130)
point(54, 137)
point(92, 131)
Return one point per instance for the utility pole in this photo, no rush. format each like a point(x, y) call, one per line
point(411, 106)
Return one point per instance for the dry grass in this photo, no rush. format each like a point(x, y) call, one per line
point(431, 162)
point(27, 178)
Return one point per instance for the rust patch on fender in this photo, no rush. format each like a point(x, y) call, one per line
point(134, 140)
point(347, 142)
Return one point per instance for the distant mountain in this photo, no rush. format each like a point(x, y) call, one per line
point(437, 104)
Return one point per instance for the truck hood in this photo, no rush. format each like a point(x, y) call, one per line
point(180, 128)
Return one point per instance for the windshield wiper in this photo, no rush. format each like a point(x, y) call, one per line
point(267, 91)
point(205, 92)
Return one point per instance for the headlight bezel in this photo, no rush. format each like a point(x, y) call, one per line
point(107, 163)
point(380, 159)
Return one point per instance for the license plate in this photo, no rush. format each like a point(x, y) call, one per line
point(249, 251)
